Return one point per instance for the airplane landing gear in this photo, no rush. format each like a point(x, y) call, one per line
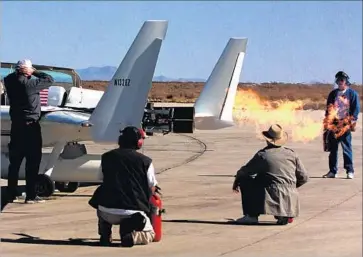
point(66, 187)
point(44, 186)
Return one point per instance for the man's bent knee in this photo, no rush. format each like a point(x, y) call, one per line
point(131, 231)
point(143, 237)
point(136, 222)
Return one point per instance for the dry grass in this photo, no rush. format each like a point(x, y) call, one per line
point(314, 96)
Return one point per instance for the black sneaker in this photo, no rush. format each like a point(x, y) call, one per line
point(37, 199)
point(13, 199)
point(127, 240)
point(282, 220)
point(10, 197)
point(106, 241)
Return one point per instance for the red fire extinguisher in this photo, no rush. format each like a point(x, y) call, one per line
point(156, 214)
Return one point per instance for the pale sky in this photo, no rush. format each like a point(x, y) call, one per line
point(287, 41)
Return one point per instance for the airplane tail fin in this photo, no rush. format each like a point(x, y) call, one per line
point(125, 98)
point(214, 106)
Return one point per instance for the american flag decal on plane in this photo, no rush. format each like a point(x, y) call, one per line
point(44, 97)
point(5, 132)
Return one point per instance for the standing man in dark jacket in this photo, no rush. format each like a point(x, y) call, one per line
point(25, 135)
point(344, 103)
point(123, 198)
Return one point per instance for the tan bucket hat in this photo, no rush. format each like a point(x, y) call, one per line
point(275, 135)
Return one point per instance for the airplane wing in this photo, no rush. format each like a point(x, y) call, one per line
point(65, 116)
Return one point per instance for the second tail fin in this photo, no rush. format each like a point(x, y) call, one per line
point(125, 98)
point(214, 106)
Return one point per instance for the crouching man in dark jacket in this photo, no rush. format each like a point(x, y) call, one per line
point(269, 181)
point(123, 198)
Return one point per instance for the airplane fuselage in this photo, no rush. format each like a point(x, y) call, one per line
point(57, 124)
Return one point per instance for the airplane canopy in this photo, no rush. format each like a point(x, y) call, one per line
point(66, 76)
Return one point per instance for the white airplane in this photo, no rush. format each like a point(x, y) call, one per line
point(208, 114)
point(123, 104)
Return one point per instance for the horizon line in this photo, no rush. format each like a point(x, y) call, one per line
point(256, 83)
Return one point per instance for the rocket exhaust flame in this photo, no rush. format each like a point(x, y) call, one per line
point(249, 108)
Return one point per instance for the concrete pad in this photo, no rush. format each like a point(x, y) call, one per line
point(196, 177)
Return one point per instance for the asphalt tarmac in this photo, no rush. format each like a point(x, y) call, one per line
point(195, 173)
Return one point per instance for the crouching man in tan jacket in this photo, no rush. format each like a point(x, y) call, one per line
point(268, 182)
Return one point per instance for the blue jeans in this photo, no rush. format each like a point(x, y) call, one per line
point(346, 142)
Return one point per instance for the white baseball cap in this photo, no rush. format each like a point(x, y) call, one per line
point(26, 63)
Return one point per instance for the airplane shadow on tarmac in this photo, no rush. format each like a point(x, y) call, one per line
point(233, 176)
point(4, 201)
point(326, 178)
point(27, 239)
point(227, 222)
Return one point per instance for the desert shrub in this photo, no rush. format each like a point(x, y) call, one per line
point(313, 95)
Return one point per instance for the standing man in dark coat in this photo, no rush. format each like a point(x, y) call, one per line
point(25, 135)
point(343, 102)
point(269, 181)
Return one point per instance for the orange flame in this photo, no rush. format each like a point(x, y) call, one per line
point(250, 108)
point(338, 126)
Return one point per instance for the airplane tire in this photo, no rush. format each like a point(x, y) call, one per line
point(44, 186)
point(65, 187)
